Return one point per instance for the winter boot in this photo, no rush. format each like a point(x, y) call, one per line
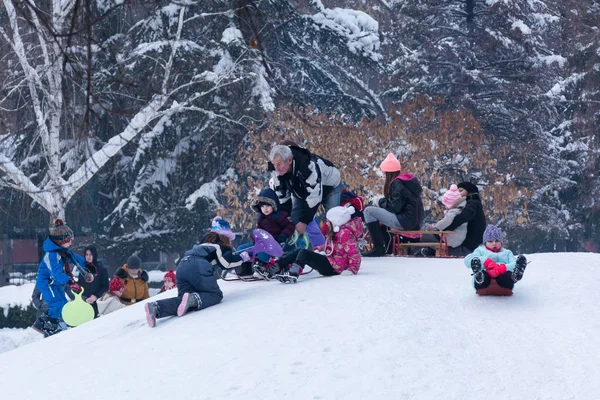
point(52, 326)
point(151, 313)
point(517, 274)
point(265, 272)
point(477, 271)
point(378, 249)
point(188, 301)
point(291, 275)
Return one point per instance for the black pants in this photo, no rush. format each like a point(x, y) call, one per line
point(504, 280)
point(168, 307)
point(192, 278)
point(304, 257)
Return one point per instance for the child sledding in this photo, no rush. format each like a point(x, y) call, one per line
point(495, 268)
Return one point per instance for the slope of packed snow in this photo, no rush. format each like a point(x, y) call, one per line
point(402, 329)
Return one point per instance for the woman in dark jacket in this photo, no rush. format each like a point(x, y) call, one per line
point(196, 279)
point(473, 215)
point(400, 208)
point(94, 290)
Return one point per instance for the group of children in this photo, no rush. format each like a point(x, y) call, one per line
point(333, 251)
point(63, 272)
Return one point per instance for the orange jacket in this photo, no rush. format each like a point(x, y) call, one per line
point(136, 289)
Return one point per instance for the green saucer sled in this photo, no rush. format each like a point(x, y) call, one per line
point(77, 312)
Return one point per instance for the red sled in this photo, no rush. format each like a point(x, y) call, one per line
point(494, 290)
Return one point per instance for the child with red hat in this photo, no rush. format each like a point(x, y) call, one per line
point(169, 281)
point(110, 301)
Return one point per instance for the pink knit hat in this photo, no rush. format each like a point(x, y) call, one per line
point(390, 164)
point(451, 196)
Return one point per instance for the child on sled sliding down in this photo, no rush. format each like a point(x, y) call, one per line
point(491, 260)
point(339, 253)
point(196, 279)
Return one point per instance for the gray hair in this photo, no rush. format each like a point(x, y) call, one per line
point(280, 150)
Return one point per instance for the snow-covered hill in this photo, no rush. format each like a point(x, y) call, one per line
point(402, 329)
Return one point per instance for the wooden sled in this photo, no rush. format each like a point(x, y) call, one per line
point(494, 290)
point(251, 278)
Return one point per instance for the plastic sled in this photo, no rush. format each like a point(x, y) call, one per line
point(494, 290)
point(77, 312)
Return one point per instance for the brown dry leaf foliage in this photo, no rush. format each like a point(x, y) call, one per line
point(439, 147)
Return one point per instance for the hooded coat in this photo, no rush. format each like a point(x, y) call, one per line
point(52, 275)
point(136, 289)
point(278, 223)
point(405, 201)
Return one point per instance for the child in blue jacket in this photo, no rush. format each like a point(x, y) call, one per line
point(55, 272)
point(491, 260)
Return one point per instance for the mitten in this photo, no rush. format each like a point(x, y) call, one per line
point(380, 201)
point(489, 264)
point(75, 287)
point(499, 269)
point(282, 239)
point(245, 256)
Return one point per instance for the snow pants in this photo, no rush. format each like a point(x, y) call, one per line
point(504, 280)
point(304, 257)
point(193, 276)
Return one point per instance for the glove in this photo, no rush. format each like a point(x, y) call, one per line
point(489, 264)
point(282, 239)
point(75, 287)
point(498, 270)
point(380, 201)
point(245, 256)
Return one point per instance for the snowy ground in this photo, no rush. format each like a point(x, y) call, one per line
point(402, 329)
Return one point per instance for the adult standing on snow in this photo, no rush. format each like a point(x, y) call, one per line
point(308, 179)
point(55, 272)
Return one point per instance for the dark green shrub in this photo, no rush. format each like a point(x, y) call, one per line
point(17, 317)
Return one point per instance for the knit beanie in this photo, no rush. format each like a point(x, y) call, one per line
point(171, 276)
point(491, 233)
point(390, 164)
point(339, 216)
point(134, 262)
point(469, 187)
point(60, 233)
point(451, 196)
point(221, 227)
point(116, 284)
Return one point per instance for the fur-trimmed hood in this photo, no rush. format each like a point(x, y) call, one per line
point(123, 273)
point(267, 196)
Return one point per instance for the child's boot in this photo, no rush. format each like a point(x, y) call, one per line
point(188, 301)
point(517, 274)
point(151, 313)
point(477, 271)
point(291, 275)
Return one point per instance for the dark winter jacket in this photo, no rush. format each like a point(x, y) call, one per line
point(405, 201)
point(54, 272)
point(278, 223)
point(473, 215)
point(99, 285)
point(136, 289)
point(196, 270)
point(306, 181)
